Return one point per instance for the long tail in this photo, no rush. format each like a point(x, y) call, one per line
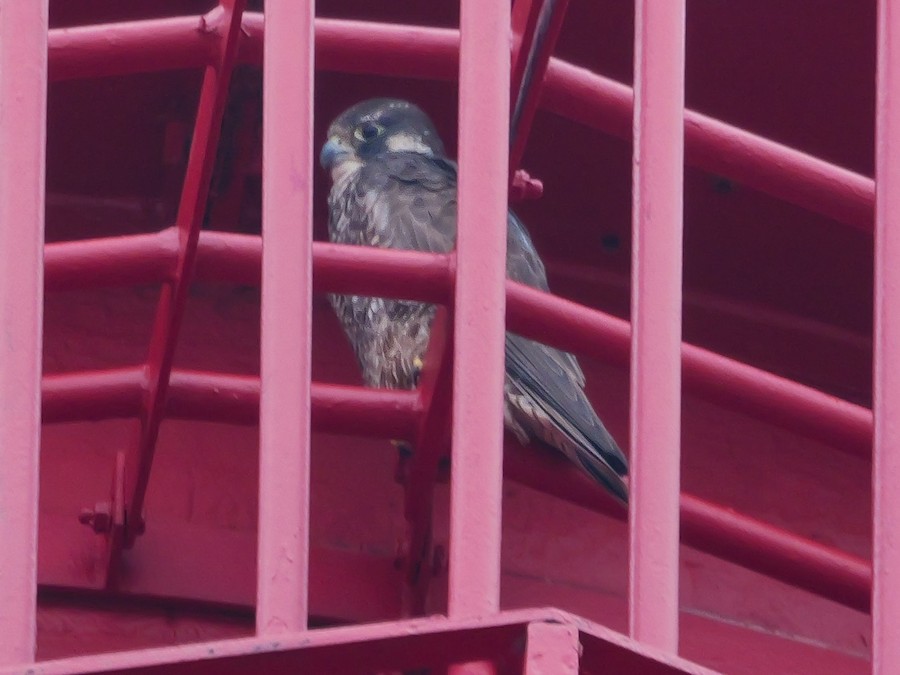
point(553, 405)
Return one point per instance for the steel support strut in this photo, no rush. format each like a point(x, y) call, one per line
point(570, 91)
point(394, 414)
point(223, 23)
point(420, 471)
point(391, 646)
point(536, 27)
point(286, 324)
point(23, 110)
point(655, 420)
point(886, 367)
point(479, 301)
point(412, 275)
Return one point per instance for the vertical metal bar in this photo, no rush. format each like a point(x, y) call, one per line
point(23, 103)
point(656, 321)
point(552, 649)
point(479, 324)
point(286, 322)
point(886, 369)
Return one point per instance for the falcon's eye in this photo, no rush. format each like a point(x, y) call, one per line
point(368, 131)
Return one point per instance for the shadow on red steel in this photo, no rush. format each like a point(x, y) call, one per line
point(422, 469)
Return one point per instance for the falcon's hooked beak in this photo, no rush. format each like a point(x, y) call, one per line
point(333, 152)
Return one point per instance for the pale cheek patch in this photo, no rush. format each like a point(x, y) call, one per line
point(407, 143)
point(344, 170)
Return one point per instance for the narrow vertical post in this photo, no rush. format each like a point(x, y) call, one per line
point(886, 367)
point(479, 324)
point(286, 322)
point(656, 321)
point(23, 104)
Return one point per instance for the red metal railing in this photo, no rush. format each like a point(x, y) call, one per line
point(658, 180)
point(23, 97)
point(169, 257)
point(432, 53)
point(286, 322)
point(402, 646)
point(886, 367)
point(479, 318)
point(536, 25)
point(418, 276)
point(225, 23)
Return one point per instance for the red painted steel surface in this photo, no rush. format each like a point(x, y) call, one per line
point(537, 24)
point(419, 52)
point(538, 315)
point(420, 276)
point(400, 645)
point(552, 649)
point(745, 473)
point(419, 473)
point(655, 413)
point(523, 22)
point(479, 318)
point(23, 96)
point(286, 323)
point(224, 23)
point(886, 375)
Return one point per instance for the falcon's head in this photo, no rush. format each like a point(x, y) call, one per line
point(377, 126)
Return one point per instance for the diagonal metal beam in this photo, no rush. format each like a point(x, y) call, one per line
point(540, 30)
point(224, 23)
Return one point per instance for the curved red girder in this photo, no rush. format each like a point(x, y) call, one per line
point(425, 276)
point(432, 53)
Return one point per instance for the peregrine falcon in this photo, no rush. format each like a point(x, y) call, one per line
point(394, 187)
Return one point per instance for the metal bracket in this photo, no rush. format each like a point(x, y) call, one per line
point(420, 471)
point(109, 519)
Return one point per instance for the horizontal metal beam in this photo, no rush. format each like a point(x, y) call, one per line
point(348, 586)
point(886, 348)
point(219, 397)
point(340, 409)
point(422, 276)
point(717, 530)
point(397, 645)
point(433, 53)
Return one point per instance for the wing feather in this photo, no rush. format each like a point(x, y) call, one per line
point(537, 374)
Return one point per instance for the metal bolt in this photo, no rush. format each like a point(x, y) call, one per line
point(99, 518)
